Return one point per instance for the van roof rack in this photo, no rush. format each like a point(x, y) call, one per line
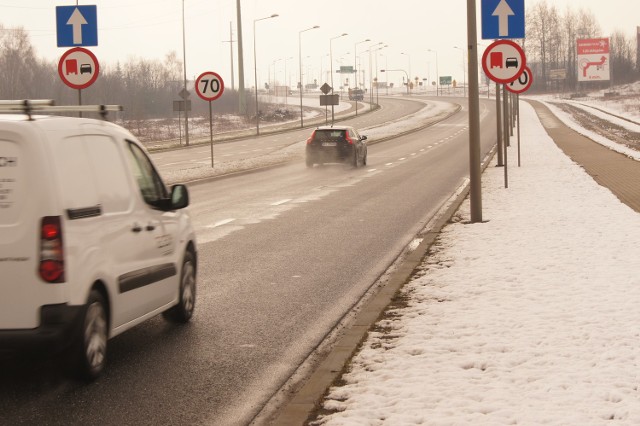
point(31, 106)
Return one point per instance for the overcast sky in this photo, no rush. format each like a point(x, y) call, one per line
point(152, 28)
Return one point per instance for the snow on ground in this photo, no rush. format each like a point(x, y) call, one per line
point(529, 318)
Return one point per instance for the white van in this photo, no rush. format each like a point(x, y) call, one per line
point(91, 241)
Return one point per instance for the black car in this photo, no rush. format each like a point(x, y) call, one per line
point(331, 144)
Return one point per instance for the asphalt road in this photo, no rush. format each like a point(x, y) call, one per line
point(284, 255)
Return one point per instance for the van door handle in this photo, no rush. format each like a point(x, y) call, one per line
point(151, 226)
point(136, 228)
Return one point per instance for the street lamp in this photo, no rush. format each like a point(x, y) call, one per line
point(376, 68)
point(399, 71)
point(464, 72)
point(437, 73)
point(255, 69)
point(355, 67)
point(409, 58)
point(186, 94)
point(300, 60)
point(331, 66)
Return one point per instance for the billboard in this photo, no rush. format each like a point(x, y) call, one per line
point(593, 59)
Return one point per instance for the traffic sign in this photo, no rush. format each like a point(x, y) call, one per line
point(77, 26)
point(502, 19)
point(503, 61)
point(78, 68)
point(209, 86)
point(522, 83)
point(325, 88)
point(593, 59)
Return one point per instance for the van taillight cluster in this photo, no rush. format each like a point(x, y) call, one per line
point(51, 250)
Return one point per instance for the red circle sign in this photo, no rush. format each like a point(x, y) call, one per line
point(209, 86)
point(78, 68)
point(522, 83)
point(503, 61)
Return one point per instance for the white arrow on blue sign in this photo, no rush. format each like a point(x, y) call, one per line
point(502, 19)
point(77, 26)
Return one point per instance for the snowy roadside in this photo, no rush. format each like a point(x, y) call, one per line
point(528, 318)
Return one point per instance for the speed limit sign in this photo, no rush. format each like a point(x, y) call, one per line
point(522, 83)
point(209, 86)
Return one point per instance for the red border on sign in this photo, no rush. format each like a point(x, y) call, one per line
point(488, 71)
point(524, 88)
point(203, 96)
point(95, 74)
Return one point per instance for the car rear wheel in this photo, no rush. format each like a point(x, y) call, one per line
point(309, 161)
point(183, 311)
point(355, 158)
point(88, 351)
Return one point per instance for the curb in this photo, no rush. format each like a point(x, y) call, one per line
point(308, 395)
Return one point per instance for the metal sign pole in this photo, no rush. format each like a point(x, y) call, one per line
point(505, 143)
point(211, 131)
point(499, 126)
point(475, 159)
point(518, 115)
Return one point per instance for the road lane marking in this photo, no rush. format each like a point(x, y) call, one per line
point(281, 202)
point(220, 223)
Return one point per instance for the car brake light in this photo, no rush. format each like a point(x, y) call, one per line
point(311, 138)
point(348, 139)
point(51, 250)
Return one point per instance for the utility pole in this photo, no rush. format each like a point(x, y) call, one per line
point(242, 104)
point(230, 41)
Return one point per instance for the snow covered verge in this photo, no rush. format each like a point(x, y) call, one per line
point(529, 318)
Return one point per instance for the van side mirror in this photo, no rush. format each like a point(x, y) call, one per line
point(364, 138)
point(179, 197)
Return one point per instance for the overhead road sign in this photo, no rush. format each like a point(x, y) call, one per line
point(522, 83)
point(502, 19)
point(503, 61)
point(78, 68)
point(209, 86)
point(77, 26)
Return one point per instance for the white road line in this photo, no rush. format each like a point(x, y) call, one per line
point(389, 164)
point(220, 223)
point(281, 202)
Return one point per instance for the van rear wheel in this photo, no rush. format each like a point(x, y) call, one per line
point(183, 311)
point(88, 352)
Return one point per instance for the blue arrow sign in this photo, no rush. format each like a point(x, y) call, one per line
point(77, 26)
point(502, 19)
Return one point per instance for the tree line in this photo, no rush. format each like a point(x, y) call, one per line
point(146, 88)
point(550, 44)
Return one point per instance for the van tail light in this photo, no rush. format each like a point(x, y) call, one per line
point(311, 138)
point(51, 250)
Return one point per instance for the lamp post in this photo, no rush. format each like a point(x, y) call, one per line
point(300, 61)
point(464, 72)
point(437, 73)
point(184, 88)
point(378, 82)
point(399, 71)
point(331, 66)
point(255, 69)
point(355, 66)
point(409, 58)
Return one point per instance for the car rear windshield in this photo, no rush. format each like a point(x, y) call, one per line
point(329, 135)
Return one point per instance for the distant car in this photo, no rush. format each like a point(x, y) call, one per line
point(512, 63)
point(332, 144)
point(86, 68)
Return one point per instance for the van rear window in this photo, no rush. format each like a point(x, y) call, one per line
point(12, 182)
